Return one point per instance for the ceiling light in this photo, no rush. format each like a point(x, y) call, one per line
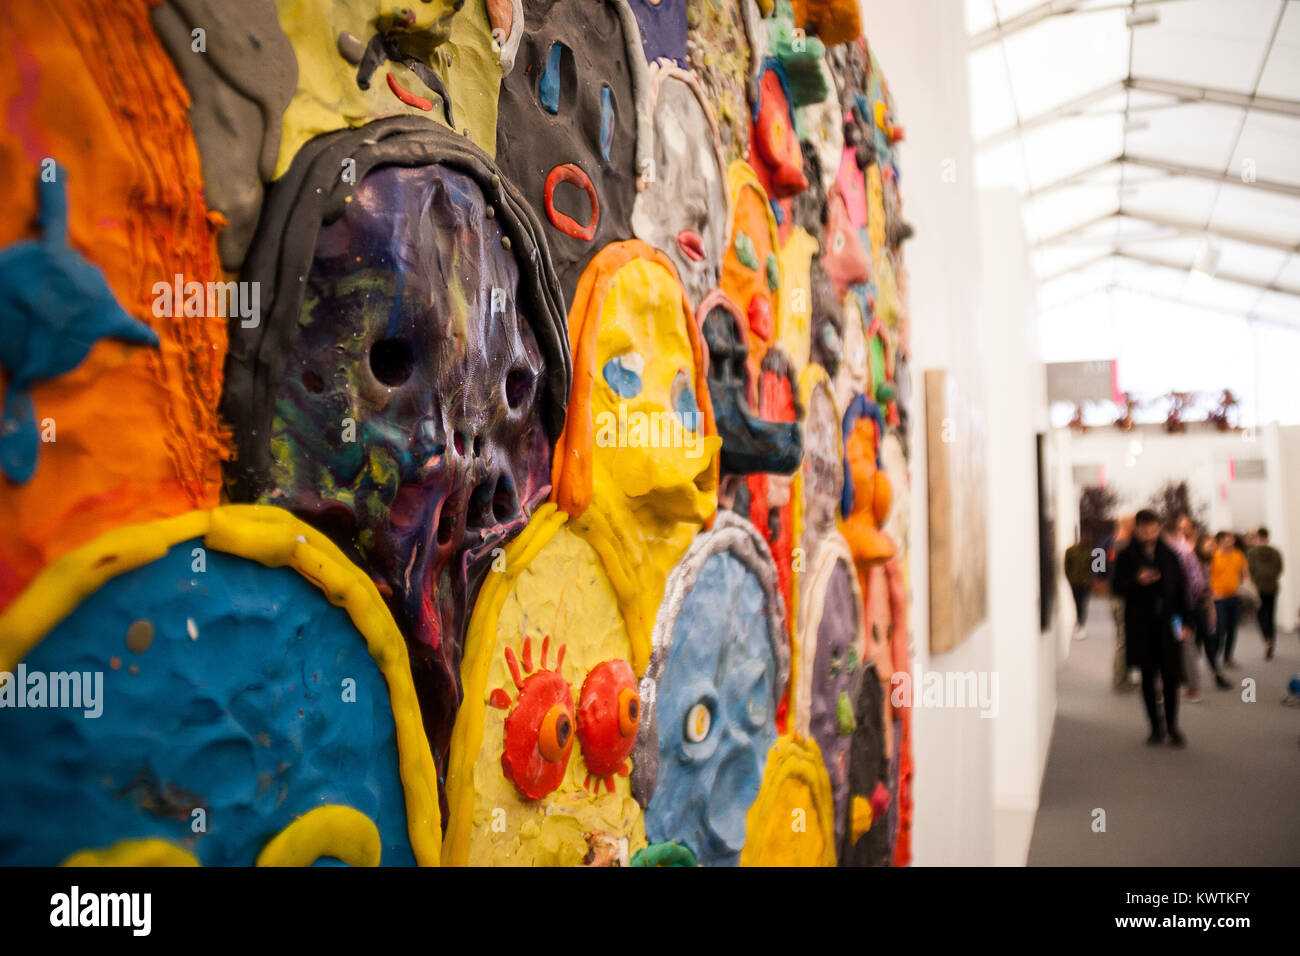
point(1207, 261)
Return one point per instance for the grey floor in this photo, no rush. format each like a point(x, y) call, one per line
point(1229, 799)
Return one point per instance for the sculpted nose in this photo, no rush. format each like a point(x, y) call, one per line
point(428, 445)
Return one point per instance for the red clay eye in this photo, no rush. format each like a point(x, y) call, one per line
point(608, 711)
point(539, 730)
point(556, 734)
point(629, 711)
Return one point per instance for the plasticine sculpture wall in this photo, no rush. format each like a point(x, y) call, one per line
point(451, 433)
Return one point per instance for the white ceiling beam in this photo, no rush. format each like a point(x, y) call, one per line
point(1075, 107)
point(1176, 229)
point(1077, 267)
point(1044, 11)
point(1220, 275)
point(1171, 169)
point(1188, 93)
point(1104, 288)
point(1182, 93)
point(1212, 175)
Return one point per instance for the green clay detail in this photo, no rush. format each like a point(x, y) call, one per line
point(744, 247)
point(844, 714)
point(664, 854)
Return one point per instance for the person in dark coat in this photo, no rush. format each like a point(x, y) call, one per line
point(1156, 617)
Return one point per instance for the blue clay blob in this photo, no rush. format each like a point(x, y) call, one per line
point(721, 658)
point(684, 404)
point(54, 307)
point(622, 378)
point(606, 121)
point(247, 721)
point(548, 88)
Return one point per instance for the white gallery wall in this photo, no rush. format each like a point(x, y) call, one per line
point(1025, 657)
point(921, 47)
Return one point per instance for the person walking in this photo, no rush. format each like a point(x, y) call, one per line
point(1227, 569)
point(1078, 572)
point(1149, 577)
point(1180, 535)
point(1264, 563)
point(1114, 544)
point(1207, 621)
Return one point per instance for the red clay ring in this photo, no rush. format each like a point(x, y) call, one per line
point(569, 173)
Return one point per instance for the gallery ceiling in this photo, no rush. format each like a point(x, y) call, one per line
point(1155, 145)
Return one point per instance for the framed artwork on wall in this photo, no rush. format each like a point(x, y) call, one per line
point(955, 442)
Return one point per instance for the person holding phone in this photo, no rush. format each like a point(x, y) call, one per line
point(1149, 577)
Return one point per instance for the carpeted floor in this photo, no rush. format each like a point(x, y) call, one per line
point(1232, 797)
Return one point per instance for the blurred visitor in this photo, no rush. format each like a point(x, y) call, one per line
point(1078, 572)
point(1149, 577)
point(1114, 543)
point(1207, 622)
point(1180, 535)
point(1264, 563)
point(1227, 572)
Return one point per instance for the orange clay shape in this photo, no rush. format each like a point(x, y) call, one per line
point(609, 710)
point(539, 730)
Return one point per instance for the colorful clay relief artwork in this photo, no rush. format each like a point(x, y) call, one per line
point(454, 433)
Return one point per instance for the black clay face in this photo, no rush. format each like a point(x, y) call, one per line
point(566, 129)
point(750, 444)
point(407, 425)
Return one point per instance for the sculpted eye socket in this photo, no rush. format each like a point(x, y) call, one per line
point(556, 733)
point(684, 404)
point(756, 712)
point(519, 386)
point(623, 374)
point(629, 711)
point(557, 80)
point(699, 720)
point(392, 361)
point(606, 121)
point(609, 711)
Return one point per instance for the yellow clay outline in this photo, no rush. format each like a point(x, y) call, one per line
point(151, 852)
point(480, 649)
point(344, 833)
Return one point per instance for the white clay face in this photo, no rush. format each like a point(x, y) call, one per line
point(679, 212)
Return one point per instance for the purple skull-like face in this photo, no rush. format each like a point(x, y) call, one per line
point(407, 424)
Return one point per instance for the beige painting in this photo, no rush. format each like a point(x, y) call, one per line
point(955, 444)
